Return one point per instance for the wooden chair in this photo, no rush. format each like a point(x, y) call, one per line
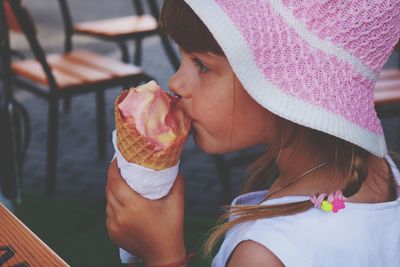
point(387, 91)
point(120, 30)
point(60, 76)
point(387, 88)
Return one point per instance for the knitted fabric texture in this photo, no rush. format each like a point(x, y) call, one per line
point(312, 62)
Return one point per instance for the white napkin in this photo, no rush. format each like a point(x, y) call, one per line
point(149, 183)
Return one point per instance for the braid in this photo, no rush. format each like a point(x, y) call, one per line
point(358, 171)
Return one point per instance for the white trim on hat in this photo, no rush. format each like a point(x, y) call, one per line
point(321, 44)
point(240, 57)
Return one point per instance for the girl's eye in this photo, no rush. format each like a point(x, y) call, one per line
point(202, 68)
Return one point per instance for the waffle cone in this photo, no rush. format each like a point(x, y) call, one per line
point(136, 148)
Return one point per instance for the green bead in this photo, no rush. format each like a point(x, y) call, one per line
point(326, 206)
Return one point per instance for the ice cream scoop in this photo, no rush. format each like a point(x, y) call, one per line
point(151, 127)
point(153, 112)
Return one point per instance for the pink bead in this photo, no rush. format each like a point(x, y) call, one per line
point(338, 204)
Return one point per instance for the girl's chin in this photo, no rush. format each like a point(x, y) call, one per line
point(207, 147)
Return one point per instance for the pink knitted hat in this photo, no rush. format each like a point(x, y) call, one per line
point(312, 62)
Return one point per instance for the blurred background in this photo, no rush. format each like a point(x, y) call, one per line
point(72, 220)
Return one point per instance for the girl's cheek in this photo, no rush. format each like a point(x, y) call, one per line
point(202, 111)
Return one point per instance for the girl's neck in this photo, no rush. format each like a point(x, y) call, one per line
point(301, 156)
point(294, 161)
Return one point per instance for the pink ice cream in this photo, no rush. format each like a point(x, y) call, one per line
point(151, 110)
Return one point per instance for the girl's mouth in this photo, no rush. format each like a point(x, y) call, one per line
point(173, 95)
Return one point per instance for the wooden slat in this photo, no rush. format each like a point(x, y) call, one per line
point(74, 69)
point(118, 26)
point(115, 67)
point(387, 88)
point(79, 71)
point(389, 74)
point(387, 85)
point(387, 97)
point(27, 246)
point(32, 70)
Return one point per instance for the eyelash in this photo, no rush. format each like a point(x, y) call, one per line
point(202, 68)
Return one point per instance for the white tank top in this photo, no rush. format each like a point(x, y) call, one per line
point(359, 235)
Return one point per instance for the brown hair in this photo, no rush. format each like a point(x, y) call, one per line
point(180, 22)
point(190, 33)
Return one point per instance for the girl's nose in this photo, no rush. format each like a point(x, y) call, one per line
point(177, 85)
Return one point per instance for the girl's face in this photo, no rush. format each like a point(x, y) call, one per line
point(225, 118)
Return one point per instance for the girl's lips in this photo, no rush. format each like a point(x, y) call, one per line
point(174, 97)
point(177, 103)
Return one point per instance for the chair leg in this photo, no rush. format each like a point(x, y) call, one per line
point(173, 58)
point(138, 52)
point(124, 51)
point(223, 176)
point(101, 124)
point(52, 140)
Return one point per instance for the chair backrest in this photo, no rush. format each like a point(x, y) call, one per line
point(152, 4)
point(138, 7)
point(69, 25)
point(27, 25)
point(12, 22)
point(154, 8)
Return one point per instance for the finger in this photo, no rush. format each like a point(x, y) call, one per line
point(111, 172)
point(117, 186)
point(110, 216)
point(112, 203)
point(109, 210)
point(112, 184)
point(121, 191)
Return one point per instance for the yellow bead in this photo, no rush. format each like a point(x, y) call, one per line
point(326, 206)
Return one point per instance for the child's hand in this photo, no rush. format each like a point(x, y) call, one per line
point(150, 229)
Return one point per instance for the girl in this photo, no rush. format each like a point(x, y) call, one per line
point(299, 77)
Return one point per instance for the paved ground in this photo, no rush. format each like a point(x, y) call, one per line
point(80, 173)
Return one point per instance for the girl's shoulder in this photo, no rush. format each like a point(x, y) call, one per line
point(315, 236)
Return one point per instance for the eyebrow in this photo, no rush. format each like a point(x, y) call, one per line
point(210, 59)
point(210, 55)
point(202, 54)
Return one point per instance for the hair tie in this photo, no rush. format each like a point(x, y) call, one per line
point(332, 202)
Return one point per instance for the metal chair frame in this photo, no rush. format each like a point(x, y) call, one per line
point(15, 136)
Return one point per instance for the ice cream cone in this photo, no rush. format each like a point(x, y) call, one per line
point(137, 148)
